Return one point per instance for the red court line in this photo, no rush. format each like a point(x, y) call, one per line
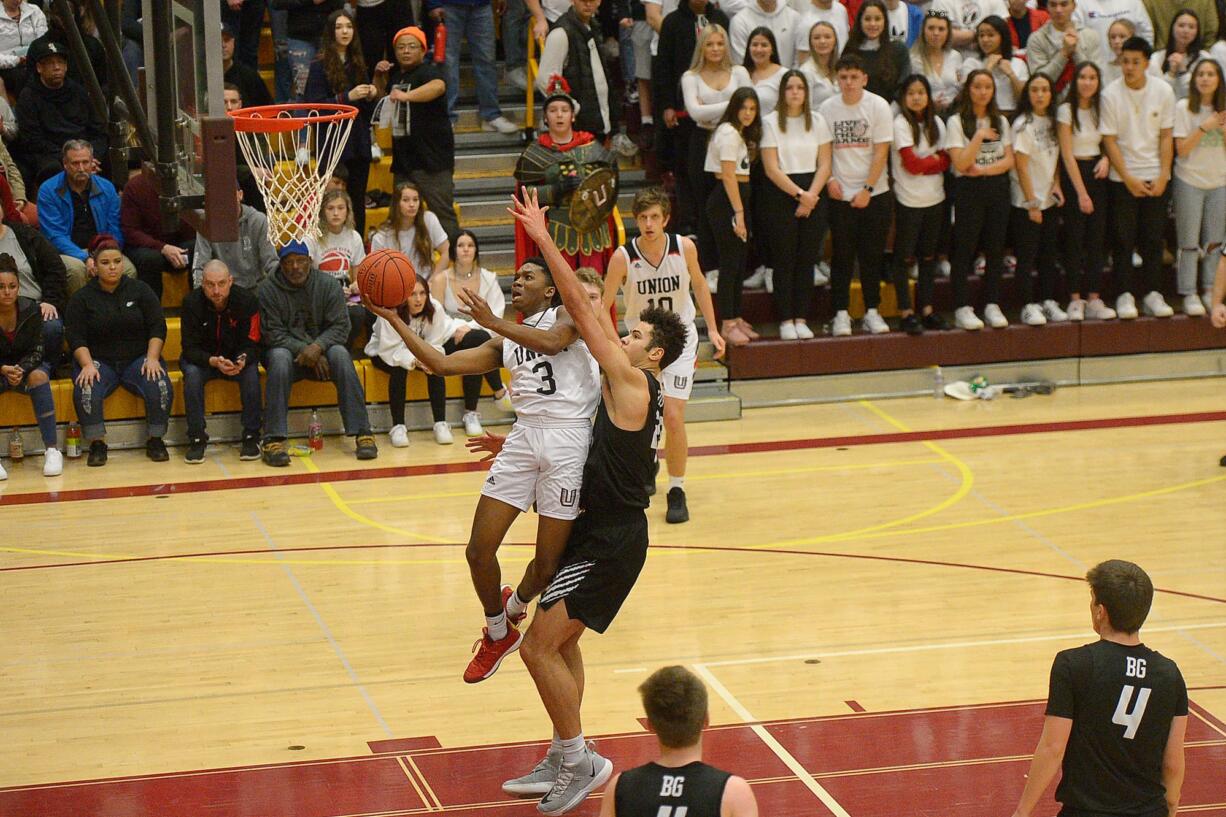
point(280, 480)
point(854, 706)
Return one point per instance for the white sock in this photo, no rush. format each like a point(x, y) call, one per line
point(647, 120)
point(573, 749)
point(676, 482)
point(497, 626)
point(515, 606)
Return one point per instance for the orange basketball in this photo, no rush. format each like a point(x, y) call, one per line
point(386, 277)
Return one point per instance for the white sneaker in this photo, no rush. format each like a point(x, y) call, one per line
point(1192, 306)
point(1137, 260)
point(1126, 307)
point(713, 280)
point(874, 324)
point(1032, 315)
point(769, 283)
point(376, 152)
point(3, 474)
point(821, 274)
point(913, 271)
point(472, 424)
point(53, 463)
point(504, 403)
point(755, 281)
point(995, 318)
point(1053, 312)
point(840, 327)
point(787, 331)
point(803, 332)
point(442, 433)
point(518, 77)
point(1154, 305)
point(981, 264)
point(399, 436)
point(501, 124)
point(1077, 309)
point(943, 268)
point(965, 318)
point(1096, 310)
point(1010, 263)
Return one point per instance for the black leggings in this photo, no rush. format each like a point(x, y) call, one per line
point(917, 233)
point(701, 182)
point(377, 25)
point(1140, 224)
point(795, 244)
point(858, 235)
point(732, 252)
point(1035, 247)
point(1084, 235)
point(436, 386)
point(981, 219)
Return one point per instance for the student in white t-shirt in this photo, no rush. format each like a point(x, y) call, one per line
point(414, 231)
point(863, 129)
point(337, 252)
point(762, 61)
point(820, 11)
point(1184, 48)
point(821, 53)
point(1138, 117)
point(1084, 182)
point(966, 16)
point(934, 56)
point(1200, 183)
point(995, 54)
point(919, 162)
point(1034, 189)
point(980, 147)
point(796, 159)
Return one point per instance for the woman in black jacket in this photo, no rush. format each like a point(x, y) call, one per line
point(339, 75)
point(116, 330)
point(21, 360)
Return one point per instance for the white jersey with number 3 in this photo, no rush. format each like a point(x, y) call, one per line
point(666, 286)
point(565, 386)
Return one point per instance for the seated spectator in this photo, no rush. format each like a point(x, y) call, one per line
point(21, 360)
point(243, 21)
point(59, 36)
point(250, 259)
point(571, 51)
point(338, 252)
point(414, 230)
point(116, 330)
point(244, 76)
point(53, 109)
point(133, 48)
point(1184, 48)
point(151, 249)
point(304, 20)
point(75, 205)
point(339, 75)
point(221, 338)
point(42, 279)
point(16, 187)
point(1024, 21)
point(423, 143)
point(427, 318)
point(473, 20)
point(1060, 45)
point(232, 98)
point(20, 25)
point(304, 327)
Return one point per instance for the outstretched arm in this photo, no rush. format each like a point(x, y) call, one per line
point(543, 341)
point(484, 358)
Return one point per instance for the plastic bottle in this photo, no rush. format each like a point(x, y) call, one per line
point(315, 432)
point(17, 451)
point(72, 441)
point(440, 43)
point(938, 383)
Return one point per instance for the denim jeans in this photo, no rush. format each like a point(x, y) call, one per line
point(283, 373)
point(625, 50)
point(514, 34)
point(158, 395)
point(194, 378)
point(475, 24)
point(43, 400)
point(301, 54)
point(53, 342)
point(1200, 222)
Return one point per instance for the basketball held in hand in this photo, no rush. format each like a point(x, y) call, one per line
point(386, 277)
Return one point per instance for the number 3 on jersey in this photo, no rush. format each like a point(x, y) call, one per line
point(548, 384)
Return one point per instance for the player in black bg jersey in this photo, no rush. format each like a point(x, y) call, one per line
point(1116, 712)
point(608, 544)
point(678, 784)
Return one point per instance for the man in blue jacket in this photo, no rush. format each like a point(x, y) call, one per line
point(74, 206)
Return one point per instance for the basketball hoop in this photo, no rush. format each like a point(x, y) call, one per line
point(292, 150)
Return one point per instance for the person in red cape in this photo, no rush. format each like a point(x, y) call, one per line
point(577, 177)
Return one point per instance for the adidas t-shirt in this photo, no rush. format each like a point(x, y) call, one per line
point(990, 151)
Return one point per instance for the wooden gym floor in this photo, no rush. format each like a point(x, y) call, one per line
point(873, 592)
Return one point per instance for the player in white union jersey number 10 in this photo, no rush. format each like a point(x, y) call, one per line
point(554, 388)
point(659, 269)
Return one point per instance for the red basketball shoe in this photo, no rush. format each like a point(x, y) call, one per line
point(490, 654)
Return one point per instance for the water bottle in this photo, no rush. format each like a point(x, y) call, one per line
point(315, 432)
point(440, 43)
point(72, 441)
point(17, 451)
point(938, 383)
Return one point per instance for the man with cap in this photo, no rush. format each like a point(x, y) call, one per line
point(576, 176)
point(250, 259)
point(305, 325)
point(51, 110)
point(239, 73)
point(423, 144)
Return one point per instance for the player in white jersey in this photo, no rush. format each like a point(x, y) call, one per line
point(554, 388)
point(659, 269)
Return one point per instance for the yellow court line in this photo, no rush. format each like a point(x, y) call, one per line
point(430, 791)
point(413, 780)
point(344, 508)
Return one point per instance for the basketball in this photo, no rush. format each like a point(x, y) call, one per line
point(386, 277)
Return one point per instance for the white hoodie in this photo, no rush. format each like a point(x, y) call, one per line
point(783, 22)
point(16, 35)
point(387, 344)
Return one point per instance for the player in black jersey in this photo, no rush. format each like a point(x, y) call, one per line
point(678, 784)
point(608, 544)
point(1116, 712)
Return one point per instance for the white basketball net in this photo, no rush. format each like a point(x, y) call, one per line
point(292, 169)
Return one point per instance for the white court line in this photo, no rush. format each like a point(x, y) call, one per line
point(945, 645)
point(775, 746)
